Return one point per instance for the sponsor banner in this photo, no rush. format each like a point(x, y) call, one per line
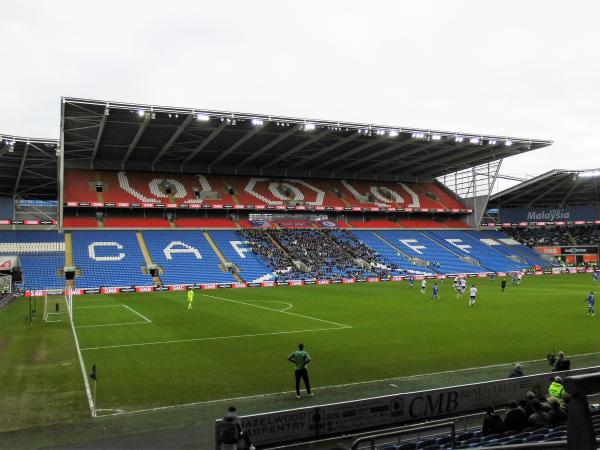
point(295, 282)
point(348, 280)
point(122, 205)
point(127, 289)
point(326, 224)
point(225, 285)
point(580, 250)
point(397, 278)
point(209, 286)
point(71, 204)
point(548, 250)
point(336, 281)
point(178, 287)
point(260, 224)
point(391, 410)
point(501, 274)
point(27, 222)
point(320, 282)
point(574, 213)
point(7, 262)
point(110, 290)
point(91, 291)
point(268, 284)
point(77, 291)
point(161, 288)
point(36, 293)
point(239, 285)
point(361, 280)
point(538, 272)
point(372, 280)
point(253, 284)
point(144, 289)
point(294, 223)
point(310, 281)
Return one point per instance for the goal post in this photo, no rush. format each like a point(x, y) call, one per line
point(58, 308)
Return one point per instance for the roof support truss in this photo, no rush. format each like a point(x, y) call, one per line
point(99, 137)
point(141, 128)
point(327, 149)
point(20, 173)
point(297, 148)
point(180, 129)
point(203, 145)
point(237, 144)
point(269, 145)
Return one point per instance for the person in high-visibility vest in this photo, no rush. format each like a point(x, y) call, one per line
point(556, 389)
point(190, 298)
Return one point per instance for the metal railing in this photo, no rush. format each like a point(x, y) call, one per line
point(372, 440)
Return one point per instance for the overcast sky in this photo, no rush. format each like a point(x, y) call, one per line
point(529, 69)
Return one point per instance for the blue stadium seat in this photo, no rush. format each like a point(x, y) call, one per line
point(109, 258)
point(236, 250)
point(41, 255)
point(186, 257)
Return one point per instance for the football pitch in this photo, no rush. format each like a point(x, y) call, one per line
point(152, 352)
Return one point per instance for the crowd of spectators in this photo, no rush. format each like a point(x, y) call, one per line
point(532, 411)
point(322, 254)
point(536, 237)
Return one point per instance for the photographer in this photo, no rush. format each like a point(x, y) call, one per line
point(562, 363)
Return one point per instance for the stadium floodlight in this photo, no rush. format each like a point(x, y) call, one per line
point(492, 142)
point(474, 140)
point(458, 139)
point(418, 135)
point(309, 126)
point(141, 112)
point(436, 137)
point(393, 133)
point(380, 132)
point(202, 117)
point(589, 174)
point(508, 143)
point(258, 122)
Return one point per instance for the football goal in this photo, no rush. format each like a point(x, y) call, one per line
point(58, 308)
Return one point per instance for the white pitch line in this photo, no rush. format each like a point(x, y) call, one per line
point(135, 312)
point(289, 305)
point(358, 383)
point(278, 310)
point(98, 306)
point(88, 392)
point(112, 324)
point(212, 338)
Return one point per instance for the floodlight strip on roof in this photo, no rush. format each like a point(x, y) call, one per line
point(308, 124)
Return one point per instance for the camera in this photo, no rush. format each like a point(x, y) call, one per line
point(551, 357)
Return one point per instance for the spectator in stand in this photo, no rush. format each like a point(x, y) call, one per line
point(562, 363)
point(557, 415)
point(528, 406)
point(515, 418)
point(516, 371)
point(538, 418)
point(492, 423)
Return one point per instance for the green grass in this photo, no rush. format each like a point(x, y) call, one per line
point(228, 349)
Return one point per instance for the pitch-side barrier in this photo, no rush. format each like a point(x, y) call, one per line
point(270, 284)
point(336, 419)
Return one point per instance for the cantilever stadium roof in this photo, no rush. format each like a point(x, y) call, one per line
point(555, 188)
point(124, 136)
point(28, 167)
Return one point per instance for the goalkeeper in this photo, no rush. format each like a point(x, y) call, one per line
point(190, 298)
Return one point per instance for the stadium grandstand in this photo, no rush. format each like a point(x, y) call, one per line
point(146, 201)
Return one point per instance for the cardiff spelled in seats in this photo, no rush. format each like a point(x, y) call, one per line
point(109, 258)
point(186, 257)
point(237, 250)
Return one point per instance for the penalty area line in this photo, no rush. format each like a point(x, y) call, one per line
point(212, 338)
point(135, 312)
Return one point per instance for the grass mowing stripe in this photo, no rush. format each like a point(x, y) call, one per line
point(337, 386)
point(212, 338)
point(278, 310)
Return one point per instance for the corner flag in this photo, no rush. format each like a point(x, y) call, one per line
point(93, 374)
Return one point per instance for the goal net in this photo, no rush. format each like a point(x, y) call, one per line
point(58, 308)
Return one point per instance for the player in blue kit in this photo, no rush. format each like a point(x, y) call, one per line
point(595, 277)
point(591, 301)
point(435, 292)
point(411, 280)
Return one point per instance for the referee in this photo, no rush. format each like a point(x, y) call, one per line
point(301, 358)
